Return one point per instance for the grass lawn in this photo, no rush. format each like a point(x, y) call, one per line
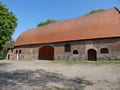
point(67, 62)
point(87, 62)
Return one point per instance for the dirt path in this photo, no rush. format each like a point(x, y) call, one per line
point(44, 75)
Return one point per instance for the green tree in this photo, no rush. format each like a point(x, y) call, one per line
point(94, 11)
point(8, 23)
point(8, 44)
point(46, 22)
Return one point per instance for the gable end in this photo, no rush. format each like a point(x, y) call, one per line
point(118, 9)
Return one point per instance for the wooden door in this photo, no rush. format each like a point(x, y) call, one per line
point(92, 56)
point(46, 53)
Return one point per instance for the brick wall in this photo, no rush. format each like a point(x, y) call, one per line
point(113, 45)
point(9, 55)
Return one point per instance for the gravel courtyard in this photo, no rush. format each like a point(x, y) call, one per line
point(46, 75)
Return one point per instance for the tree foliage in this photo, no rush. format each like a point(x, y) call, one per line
point(94, 11)
point(8, 44)
point(8, 23)
point(46, 22)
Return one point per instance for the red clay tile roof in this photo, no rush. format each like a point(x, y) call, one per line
point(98, 25)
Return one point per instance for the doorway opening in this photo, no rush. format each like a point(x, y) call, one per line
point(46, 53)
point(8, 56)
point(92, 55)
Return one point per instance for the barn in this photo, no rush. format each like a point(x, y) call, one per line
point(93, 37)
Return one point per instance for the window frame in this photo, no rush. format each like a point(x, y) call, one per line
point(67, 47)
point(74, 52)
point(20, 51)
point(104, 51)
point(16, 51)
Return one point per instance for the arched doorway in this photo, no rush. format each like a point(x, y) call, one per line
point(92, 55)
point(8, 56)
point(46, 53)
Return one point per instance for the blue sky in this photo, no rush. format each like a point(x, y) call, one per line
point(31, 12)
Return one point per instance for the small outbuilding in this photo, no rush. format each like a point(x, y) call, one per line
point(10, 54)
point(92, 37)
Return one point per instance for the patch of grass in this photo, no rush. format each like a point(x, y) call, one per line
point(118, 82)
point(81, 81)
point(20, 60)
point(60, 88)
point(87, 62)
point(67, 88)
point(24, 60)
point(106, 81)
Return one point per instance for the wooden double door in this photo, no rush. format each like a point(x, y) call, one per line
point(46, 53)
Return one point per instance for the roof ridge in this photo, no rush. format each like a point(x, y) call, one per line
point(117, 8)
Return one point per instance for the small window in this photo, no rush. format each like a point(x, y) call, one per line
point(104, 51)
point(19, 51)
point(16, 51)
point(67, 48)
point(75, 51)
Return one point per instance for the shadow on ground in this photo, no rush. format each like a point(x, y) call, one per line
point(39, 80)
point(3, 65)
